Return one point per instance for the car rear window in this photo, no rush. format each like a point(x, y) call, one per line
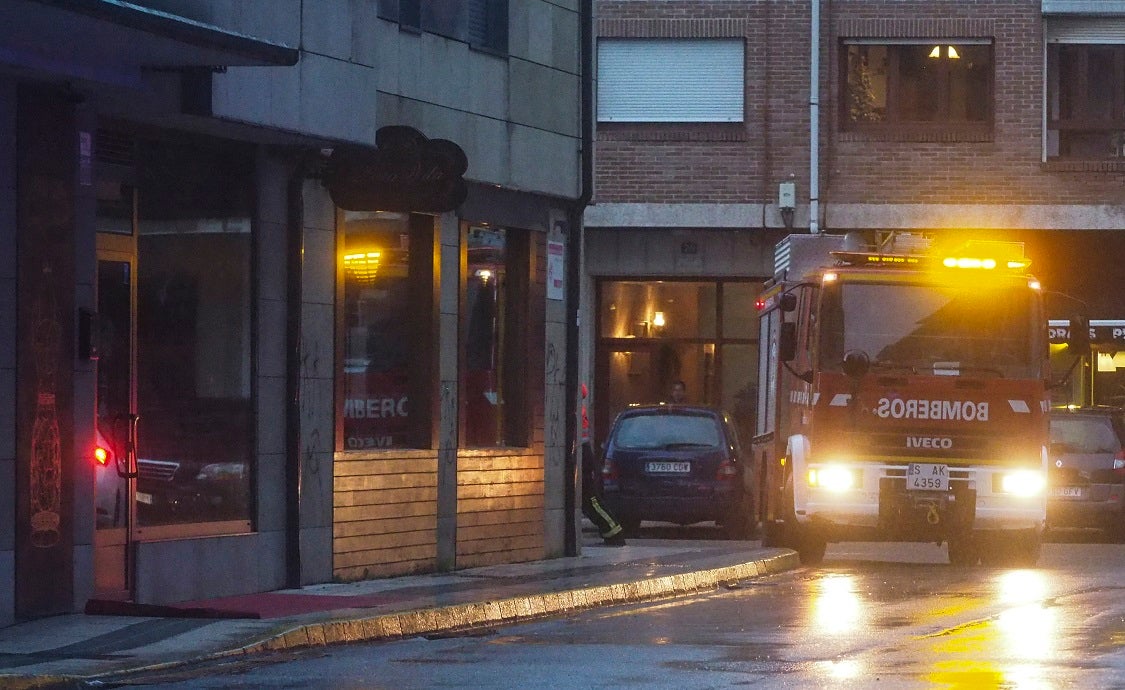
point(1084, 434)
point(668, 431)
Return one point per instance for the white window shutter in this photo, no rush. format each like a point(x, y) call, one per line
point(671, 80)
point(1093, 30)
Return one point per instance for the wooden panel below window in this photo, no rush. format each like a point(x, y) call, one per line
point(385, 517)
point(500, 503)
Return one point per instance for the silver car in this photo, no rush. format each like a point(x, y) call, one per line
point(1087, 469)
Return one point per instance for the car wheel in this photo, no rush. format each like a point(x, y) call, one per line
point(630, 525)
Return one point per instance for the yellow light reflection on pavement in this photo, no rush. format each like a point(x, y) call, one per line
point(837, 608)
point(1011, 649)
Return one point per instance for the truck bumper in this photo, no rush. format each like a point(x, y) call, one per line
point(884, 506)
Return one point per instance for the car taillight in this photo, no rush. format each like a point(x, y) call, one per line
point(1119, 463)
point(610, 476)
point(727, 470)
point(102, 455)
point(609, 471)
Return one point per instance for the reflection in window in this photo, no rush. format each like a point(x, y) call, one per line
point(494, 337)
point(890, 84)
point(377, 338)
point(194, 334)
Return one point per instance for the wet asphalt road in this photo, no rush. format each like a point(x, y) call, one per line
point(884, 615)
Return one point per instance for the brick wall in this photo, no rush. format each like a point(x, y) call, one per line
point(743, 163)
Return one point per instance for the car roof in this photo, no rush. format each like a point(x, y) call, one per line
point(664, 408)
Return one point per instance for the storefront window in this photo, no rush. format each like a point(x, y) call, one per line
point(494, 338)
point(194, 344)
point(654, 333)
point(386, 336)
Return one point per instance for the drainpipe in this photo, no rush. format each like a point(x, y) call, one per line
point(814, 119)
point(574, 277)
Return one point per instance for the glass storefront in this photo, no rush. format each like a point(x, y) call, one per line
point(194, 344)
point(377, 318)
point(654, 333)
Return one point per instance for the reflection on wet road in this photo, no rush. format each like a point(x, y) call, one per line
point(889, 615)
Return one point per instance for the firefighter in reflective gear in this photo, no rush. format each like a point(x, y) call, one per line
point(592, 506)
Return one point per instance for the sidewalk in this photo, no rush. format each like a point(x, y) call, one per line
point(64, 650)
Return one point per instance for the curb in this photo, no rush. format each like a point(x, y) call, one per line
point(455, 618)
point(462, 617)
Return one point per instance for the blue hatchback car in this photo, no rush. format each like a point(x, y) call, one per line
point(678, 463)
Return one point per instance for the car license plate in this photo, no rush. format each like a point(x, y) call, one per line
point(921, 476)
point(668, 467)
point(1067, 491)
point(144, 498)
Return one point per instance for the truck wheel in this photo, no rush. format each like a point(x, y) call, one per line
point(810, 547)
point(808, 542)
point(963, 550)
point(1024, 548)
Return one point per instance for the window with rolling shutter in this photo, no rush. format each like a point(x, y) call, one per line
point(671, 80)
point(1085, 88)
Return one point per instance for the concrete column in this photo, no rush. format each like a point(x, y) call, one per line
point(449, 237)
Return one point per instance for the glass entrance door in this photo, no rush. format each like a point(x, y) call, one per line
point(115, 514)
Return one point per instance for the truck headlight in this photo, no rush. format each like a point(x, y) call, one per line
point(1023, 483)
point(835, 478)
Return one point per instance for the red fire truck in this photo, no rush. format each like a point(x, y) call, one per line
point(903, 396)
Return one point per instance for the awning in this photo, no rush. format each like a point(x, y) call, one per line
point(112, 41)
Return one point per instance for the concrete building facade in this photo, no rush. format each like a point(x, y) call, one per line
point(282, 292)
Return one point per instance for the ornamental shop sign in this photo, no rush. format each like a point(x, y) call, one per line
point(405, 172)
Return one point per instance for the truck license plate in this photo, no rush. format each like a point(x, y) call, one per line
point(922, 476)
point(675, 467)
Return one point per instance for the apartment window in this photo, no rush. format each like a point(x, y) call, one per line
point(1086, 101)
point(387, 331)
point(494, 332)
point(936, 84)
point(671, 80)
point(480, 23)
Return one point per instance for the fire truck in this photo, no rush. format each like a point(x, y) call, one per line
point(903, 396)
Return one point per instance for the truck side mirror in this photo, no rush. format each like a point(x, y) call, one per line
point(856, 363)
point(787, 342)
point(1078, 340)
point(788, 301)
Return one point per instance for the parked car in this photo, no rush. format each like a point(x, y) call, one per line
point(678, 463)
point(1087, 469)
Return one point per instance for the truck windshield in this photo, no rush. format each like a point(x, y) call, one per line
point(964, 330)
